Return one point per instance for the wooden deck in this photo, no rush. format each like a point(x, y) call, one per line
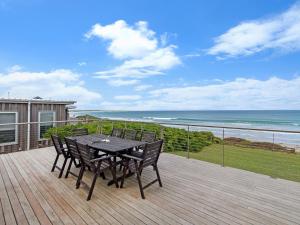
point(194, 192)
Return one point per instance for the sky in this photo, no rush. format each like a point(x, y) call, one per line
point(151, 54)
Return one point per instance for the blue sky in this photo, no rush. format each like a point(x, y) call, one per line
point(153, 55)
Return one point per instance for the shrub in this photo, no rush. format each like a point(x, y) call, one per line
point(175, 139)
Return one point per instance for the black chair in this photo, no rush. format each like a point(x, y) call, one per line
point(117, 132)
point(146, 136)
point(130, 134)
point(97, 166)
point(135, 164)
point(60, 150)
point(80, 132)
point(74, 155)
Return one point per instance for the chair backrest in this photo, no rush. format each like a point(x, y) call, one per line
point(151, 153)
point(117, 132)
point(80, 132)
point(58, 144)
point(130, 134)
point(72, 148)
point(86, 153)
point(148, 136)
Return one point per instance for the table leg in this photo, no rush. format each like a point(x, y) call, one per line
point(114, 171)
point(111, 182)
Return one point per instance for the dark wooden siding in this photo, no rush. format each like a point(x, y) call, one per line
point(60, 115)
point(21, 109)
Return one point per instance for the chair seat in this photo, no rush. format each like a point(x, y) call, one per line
point(138, 154)
point(129, 164)
point(104, 164)
point(65, 150)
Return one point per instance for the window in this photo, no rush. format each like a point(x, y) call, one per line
point(45, 122)
point(8, 133)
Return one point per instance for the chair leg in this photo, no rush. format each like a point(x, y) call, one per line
point(139, 179)
point(55, 162)
point(102, 175)
point(63, 168)
point(69, 168)
point(157, 174)
point(97, 172)
point(120, 169)
point(79, 178)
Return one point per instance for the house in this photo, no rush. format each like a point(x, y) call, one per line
point(28, 120)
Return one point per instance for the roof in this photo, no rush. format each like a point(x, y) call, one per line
point(36, 101)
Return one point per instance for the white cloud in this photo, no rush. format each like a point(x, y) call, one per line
point(57, 84)
point(192, 55)
point(152, 64)
point(142, 54)
point(164, 39)
point(126, 41)
point(281, 32)
point(142, 87)
point(82, 64)
point(241, 93)
point(121, 82)
point(14, 68)
point(127, 97)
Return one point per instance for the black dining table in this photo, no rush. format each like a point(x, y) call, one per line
point(114, 146)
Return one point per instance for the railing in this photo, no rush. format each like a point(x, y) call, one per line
point(268, 151)
point(272, 152)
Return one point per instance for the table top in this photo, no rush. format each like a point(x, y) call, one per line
point(107, 143)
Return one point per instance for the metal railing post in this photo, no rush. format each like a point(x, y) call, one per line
point(98, 128)
point(162, 136)
point(223, 147)
point(141, 131)
point(28, 125)
point(100, 121)
point(273, 156)
point(28, 137)
point(273, 142)
point(142, 128)
point(188, 142)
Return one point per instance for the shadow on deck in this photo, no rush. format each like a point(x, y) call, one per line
point(194, 192)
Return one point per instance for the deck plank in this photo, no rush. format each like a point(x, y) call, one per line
point(8, 213)
point(2, 221)
point(56, 208)
point(194, 192)
point(32, 219)
point(38, 205)
point(277, 207)
point(14, 200)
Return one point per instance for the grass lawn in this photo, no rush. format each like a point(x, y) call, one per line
point(275, 164)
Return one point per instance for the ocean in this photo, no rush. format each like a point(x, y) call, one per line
point(264, 119)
